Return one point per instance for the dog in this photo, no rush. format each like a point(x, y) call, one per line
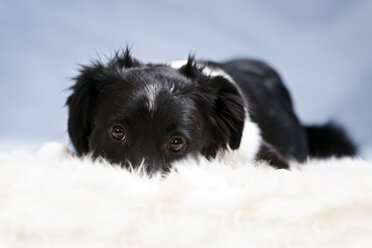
point(132, 114)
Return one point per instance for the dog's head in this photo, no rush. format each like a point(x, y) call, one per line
point(129, 112)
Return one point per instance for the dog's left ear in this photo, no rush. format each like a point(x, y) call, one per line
point(222, 105)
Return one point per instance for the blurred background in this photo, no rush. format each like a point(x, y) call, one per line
point(322, 49)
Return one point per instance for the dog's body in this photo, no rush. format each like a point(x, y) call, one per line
point(154, 114)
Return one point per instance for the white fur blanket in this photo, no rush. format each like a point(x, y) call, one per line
point(51, 199)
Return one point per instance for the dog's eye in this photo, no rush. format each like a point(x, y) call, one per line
point(175, 145)
point(117, 133)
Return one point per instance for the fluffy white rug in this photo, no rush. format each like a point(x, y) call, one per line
point(51, 199)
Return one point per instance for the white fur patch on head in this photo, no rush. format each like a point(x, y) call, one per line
point(151, 91)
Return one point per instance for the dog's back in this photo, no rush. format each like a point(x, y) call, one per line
point(270, 106)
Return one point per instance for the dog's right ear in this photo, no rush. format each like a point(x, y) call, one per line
point(91, 85)
point(81, 105)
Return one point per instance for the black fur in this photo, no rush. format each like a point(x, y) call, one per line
point(270, 106)
point(329, 140)
point(269, 154)
point(156, 104)
point(207, 112)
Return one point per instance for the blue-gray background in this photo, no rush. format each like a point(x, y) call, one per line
point(322, 49)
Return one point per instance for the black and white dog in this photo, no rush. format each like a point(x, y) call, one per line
point(133, 113)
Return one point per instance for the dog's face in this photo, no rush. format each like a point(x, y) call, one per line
point(131, 113)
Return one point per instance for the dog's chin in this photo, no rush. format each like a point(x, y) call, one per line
point(150, 164)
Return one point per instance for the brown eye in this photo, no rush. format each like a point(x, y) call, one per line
point(117, 133)
point(175, 145)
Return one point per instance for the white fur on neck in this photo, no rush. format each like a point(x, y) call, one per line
point(249, 144)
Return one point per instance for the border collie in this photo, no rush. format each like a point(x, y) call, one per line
point(133, 113)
